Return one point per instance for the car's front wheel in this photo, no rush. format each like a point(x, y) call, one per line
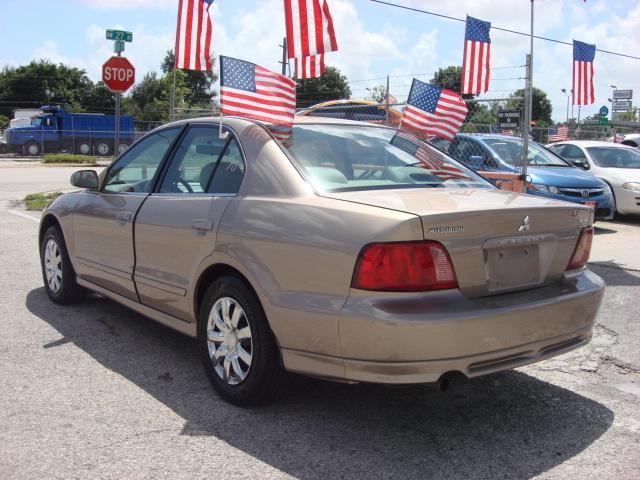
point(57, 271)
point(239, 353)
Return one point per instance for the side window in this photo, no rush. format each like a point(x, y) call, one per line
point(136, 169)
point(194, 162)
point(230, 171)
point(573, 152)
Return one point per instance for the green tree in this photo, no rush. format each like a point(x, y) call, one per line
point(628, 116)
point(332, 85)
point(198, 83)
point(542, 108)
point(377, 94)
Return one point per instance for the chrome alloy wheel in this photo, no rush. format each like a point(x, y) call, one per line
point(229, 341)
point(53, 265)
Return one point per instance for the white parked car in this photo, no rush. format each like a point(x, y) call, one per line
point(616, 164)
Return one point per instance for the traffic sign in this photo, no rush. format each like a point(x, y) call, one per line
point(118, 46)
point(622, 94)
point(604, 121)
point(119, 35)
point(621, 106)
point(118, 74)
point(509, 119)
point(604, 111)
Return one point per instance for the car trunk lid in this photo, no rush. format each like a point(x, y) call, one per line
point(498, 241)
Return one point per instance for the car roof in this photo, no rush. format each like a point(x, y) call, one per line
point(297, 121)
point(590, 143)
point(494, 136)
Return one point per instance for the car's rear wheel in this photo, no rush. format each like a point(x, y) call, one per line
point(239, 353)
point(57, 271)
point(103, 149)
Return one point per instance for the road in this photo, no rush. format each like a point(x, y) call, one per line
point(97, 391)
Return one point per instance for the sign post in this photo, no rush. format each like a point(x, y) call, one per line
point(118, 75)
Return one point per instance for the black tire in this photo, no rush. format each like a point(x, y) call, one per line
point(265, 376)
point(68, 290)
point(32, 149)
point(83, 147)
point(103, 148)
point(122, 148)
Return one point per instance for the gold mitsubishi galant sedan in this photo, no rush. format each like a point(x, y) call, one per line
point(336, 249)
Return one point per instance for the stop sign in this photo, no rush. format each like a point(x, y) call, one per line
point(118, 74)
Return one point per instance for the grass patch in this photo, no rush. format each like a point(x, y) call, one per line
point(69, 158)
point(38, 201)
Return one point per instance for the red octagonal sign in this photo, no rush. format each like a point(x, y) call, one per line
point(118, 74)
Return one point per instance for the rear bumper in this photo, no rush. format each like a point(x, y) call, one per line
point(414, 338)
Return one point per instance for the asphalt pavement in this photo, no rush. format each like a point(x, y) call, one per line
point(97, 391)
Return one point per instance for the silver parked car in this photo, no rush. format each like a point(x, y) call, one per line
point(342, 250)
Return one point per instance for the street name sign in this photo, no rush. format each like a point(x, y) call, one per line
point(118, 74)
point(119, 35)
point(508, 119)
point(622, 94)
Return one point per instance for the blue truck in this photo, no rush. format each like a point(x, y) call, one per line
point(55, 130)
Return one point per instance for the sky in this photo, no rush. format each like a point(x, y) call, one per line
point(374, 40)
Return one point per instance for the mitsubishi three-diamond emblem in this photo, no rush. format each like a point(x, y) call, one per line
point(524, 226)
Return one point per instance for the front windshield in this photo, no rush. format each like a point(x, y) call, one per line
point(510, 151)
point(345, 158)
point(615, 157)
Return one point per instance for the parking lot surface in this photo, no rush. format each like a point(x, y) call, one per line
point(97, 391)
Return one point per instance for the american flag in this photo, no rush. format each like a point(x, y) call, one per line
point(392, 99)
point(248, 90)
point(508, 133)
point(557, 134)
point(432, 110)
point(193, 35)
point(309, 67)
point(309, 28)
point(477, 56)
point(583, 91)
point(430, 158)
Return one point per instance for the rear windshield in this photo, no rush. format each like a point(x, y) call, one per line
point(344, 158)
point(615, 157)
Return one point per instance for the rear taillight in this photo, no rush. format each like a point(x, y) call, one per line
point(581, 253)
point(404, 267)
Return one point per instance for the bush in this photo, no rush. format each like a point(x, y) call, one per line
point(68, 158)
point(38, 201)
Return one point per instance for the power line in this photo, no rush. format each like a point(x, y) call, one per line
point(496, 28)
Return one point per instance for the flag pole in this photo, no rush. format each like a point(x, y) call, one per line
point(387, 103)
point(528, 104)
point(172, 94)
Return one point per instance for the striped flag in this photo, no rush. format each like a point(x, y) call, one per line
point(193, 35)
point(558, 134)
point(429, 157)
point(583, 91)
point(508, 133)
point(309, 28)
point(248, 90)
point(477, 56)
point(309, 67)
point(432, 110)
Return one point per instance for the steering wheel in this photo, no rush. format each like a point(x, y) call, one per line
point(184, 183)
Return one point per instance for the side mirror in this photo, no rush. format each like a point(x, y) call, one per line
point(85, 179)
point(580, 163)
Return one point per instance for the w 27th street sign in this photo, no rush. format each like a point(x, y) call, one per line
point(118, 74)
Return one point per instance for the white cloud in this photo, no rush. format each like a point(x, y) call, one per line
point(131, 4)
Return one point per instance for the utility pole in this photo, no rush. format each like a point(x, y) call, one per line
point(525, 123)
point(284, 61)
point(528, 102)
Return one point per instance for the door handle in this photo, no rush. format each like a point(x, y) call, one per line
point(202, 224)
point(123, 216)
